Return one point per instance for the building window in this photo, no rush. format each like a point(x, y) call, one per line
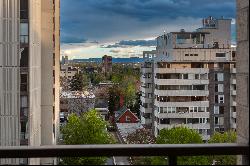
point(221, 98)
point(24, 101)
point(221, 109)
point(24, 62)
point(197, 76)
point(24, 33)
point(220, 55)
point(219, 77)
point(24, 9)
point(220, 88)
point(185, 76)
point(216, 120)
point(216, 109)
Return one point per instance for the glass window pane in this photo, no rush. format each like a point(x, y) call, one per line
point(24, 29)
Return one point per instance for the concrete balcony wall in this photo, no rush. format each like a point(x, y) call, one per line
point(182, 104)
point(234, 114)
point(146, 80)
point(233, 103)
point(190, 44)
point(146, 90)
point(145, 121)
point(191, 126)
point(234, 125)
point(184, 115)
point(233, 92)
point(146, 100)
point(183, 70)
point(146, 110)
point(146, 70)
point(180, 82)
point(233, 70)
point(233, 81)
point(181, 92)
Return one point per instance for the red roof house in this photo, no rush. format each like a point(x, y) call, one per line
point(124, 115)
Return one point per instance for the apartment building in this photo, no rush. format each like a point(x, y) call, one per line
point(68, 72)
point(29, 74)
point(191, 80)
point(147, 88)
point(106, 64)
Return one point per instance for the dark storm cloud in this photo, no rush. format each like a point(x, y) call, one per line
point(130, 19)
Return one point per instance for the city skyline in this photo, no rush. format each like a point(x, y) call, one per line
point(99, 28)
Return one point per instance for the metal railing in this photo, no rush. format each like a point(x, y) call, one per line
point(170, 150)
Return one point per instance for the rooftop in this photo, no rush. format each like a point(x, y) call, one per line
point(77, 94)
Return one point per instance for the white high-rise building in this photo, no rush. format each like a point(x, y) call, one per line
point(190, 81)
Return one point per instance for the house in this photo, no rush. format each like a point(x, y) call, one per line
point(124, 115)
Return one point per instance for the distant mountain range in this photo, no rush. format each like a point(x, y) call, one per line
point(114, 60)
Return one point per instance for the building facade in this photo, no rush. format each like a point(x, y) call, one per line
point(68, 72)
point(193, 80)
point(106, 64)
point(29, 68)
point(242, 24)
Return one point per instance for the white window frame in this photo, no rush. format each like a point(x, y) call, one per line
point(220, 101)
point(216, 110)
point(220, 76)
point(128, 119)
point(220, 88)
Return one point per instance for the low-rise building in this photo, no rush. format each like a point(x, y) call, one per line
point(76, 101)
point(124, 115)
point(68, 71)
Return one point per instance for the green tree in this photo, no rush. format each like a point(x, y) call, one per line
point(180, 135)
point(226, 137)
point(114, 99)
point(136, 107)
point(89, 128)
point(78, 82)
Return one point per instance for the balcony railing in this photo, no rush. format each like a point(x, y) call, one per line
point(170, 150)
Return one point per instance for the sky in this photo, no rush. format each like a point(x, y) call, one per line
point(125, 28)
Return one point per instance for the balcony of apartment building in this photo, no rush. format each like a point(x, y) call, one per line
point(146, 78)
point(182, 70)
point(233, 80)
point(146, 88)
point(182, 112)
point(181, 79)
point(180, 101)
point(189, 39)
point(146, 108)
point(233, 70)
point(146, 118)
point(146, 99)
point(181, 90)
point(146, 67)
point(192, 123)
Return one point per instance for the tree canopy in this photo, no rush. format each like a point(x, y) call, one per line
point(226, 137)
point(78, 82)
point(180, 135)
point(89, 128)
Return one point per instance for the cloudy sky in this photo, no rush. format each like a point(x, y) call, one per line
point(125, 28)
